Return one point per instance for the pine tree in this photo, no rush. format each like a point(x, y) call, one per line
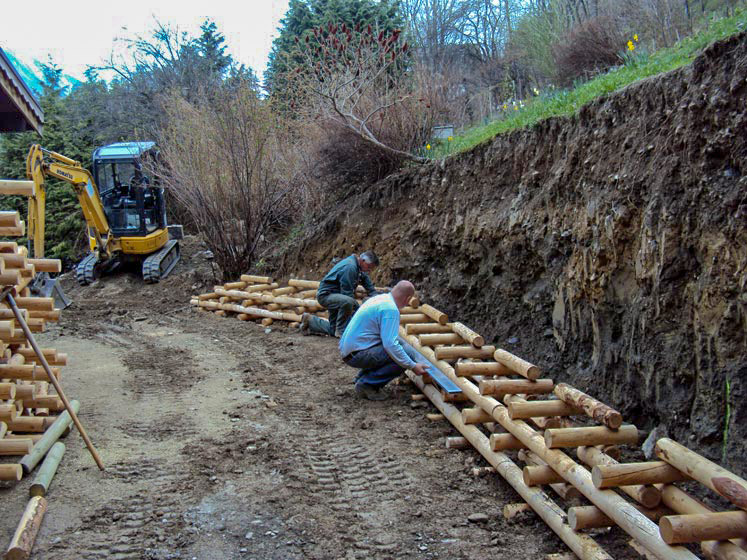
point(212, 48)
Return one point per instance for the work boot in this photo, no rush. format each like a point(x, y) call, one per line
point(304, 325)
point(368, 392)
point(338, 333)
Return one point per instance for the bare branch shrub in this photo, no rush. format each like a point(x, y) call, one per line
point(231, 168)
point(592, 46)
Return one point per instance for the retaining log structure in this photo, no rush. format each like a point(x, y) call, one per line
point(484, 376)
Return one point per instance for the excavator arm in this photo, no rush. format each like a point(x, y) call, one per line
point(41, 163)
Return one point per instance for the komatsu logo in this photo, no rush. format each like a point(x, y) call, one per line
point(63, 173)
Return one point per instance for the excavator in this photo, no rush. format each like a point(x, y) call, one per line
point(125, 214)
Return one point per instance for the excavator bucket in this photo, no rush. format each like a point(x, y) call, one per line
point(44, 285)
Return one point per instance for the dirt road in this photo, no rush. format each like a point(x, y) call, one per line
point(224, 441)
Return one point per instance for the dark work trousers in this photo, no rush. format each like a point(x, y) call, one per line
point(376, 366)
point(341, 309)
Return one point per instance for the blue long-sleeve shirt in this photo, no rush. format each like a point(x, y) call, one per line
point(343, 279)
point(376, 322)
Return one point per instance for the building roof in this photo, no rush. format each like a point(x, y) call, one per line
point(19, 109)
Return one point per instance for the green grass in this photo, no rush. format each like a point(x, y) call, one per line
point(639, 65)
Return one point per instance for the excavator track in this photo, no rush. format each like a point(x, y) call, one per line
point(87, 271)
point(158, 265)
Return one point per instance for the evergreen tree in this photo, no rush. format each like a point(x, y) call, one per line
point(211, 47)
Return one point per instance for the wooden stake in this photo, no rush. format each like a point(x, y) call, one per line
point(592, 407)
point(718, 479)
point(25, 535)
point(595, 435)
point(652, 472)
point(522, 367)
point(718, 526)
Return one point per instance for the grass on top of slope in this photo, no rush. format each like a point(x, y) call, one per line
point(638, 65)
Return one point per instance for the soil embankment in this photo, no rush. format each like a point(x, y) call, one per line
point(609, 247)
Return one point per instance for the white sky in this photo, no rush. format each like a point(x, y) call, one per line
point(78, 33)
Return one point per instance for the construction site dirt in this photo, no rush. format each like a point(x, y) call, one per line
point(224, 440)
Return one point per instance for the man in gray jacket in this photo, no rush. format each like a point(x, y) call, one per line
point(336, 292)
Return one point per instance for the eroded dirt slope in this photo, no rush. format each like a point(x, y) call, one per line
point(610, 247)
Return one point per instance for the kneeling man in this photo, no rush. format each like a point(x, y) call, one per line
point(371, 342)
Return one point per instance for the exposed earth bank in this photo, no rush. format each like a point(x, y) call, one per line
point(609, 247)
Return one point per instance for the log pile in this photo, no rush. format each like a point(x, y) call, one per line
point(511, 413)
point(30, 409)
point(261, 299)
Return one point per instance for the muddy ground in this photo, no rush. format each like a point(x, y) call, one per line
point(222, 440)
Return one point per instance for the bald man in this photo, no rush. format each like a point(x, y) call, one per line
point(371, 343)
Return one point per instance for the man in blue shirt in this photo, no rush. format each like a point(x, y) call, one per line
point(371, 342)
point(336, 292)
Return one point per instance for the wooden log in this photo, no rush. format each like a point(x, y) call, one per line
point(501, 387)
point(591, 517)
point(306, 294)
point(456, 442)
point(414, 302)
point(19, 187)
point(440, 338)
point(50, 354)
point(682, 503)
point(520, 366)
point(475, 416)
point(595, 435)
point(586, 548)
point(7, 329)
point(531, 409)
point(562, 489)
point(10, 472)
point(208, 296)
point(503, 442)
point(234, 285)
point(33, 437)
point(15, 231)
point(417, 397)
point(25, 535)
point(50, 402)
point(25, 391)
point(287, 290)
point(468, 334)
point(535, 475)
point(426, 328)
point(46, 473)
point(54, 432)
point(259, 288)
point(47, 315)
point(251, 311)
point(8, 412)
point(9, 277)
point(438, 316)
point(434, 417)
point(10, 219)
point(32, 424)
point(718, 479)
point(592, 407)
point(35, 303)
point(8, 315)
point(697, 527)
point(307, 284)
point(464, 351)
point(7, 391)
point(266, 322)
point(252, 279)
point(652, 472)
point(13, 260)
point(52, 266)
point(647, 496)
point(468, 369)
point(413, 318)
point(28, 372)
point(3, 429)
point(15, 446)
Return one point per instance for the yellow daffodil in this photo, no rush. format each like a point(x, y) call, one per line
point(516, 107)
point(427, 146)
point(631, 46)
point(635, 37)
point(505, 106)
point(450, 138)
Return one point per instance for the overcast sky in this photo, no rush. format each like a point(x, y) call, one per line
point(78, 33)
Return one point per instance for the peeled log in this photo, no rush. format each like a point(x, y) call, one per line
point(15, 447)
point(519, 410)
point(11, 472)
point(652, 472)
point(424, 328)
point(475, 416)
point(252, 279)
point(440, 317)
point(522, 367)
point(468, 334)
point(501, 387)
point(536, 475)
point(595, 435)
point(468, 369)
point(7, 391)
point(592, 407)
point(54, 432)
point(440, 338)
point(717, 526)
point(591, 517)
point(413, 318)
point(503, 442)
point(718, 479)
point(455, 352)
point(25, 535)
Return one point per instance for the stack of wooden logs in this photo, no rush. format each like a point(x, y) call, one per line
point(31, 417)
point(509, 412)
point(259, 298)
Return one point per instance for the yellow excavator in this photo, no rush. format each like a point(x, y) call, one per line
point(125, 214)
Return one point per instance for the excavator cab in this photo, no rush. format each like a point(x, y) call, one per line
point(133, 205)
